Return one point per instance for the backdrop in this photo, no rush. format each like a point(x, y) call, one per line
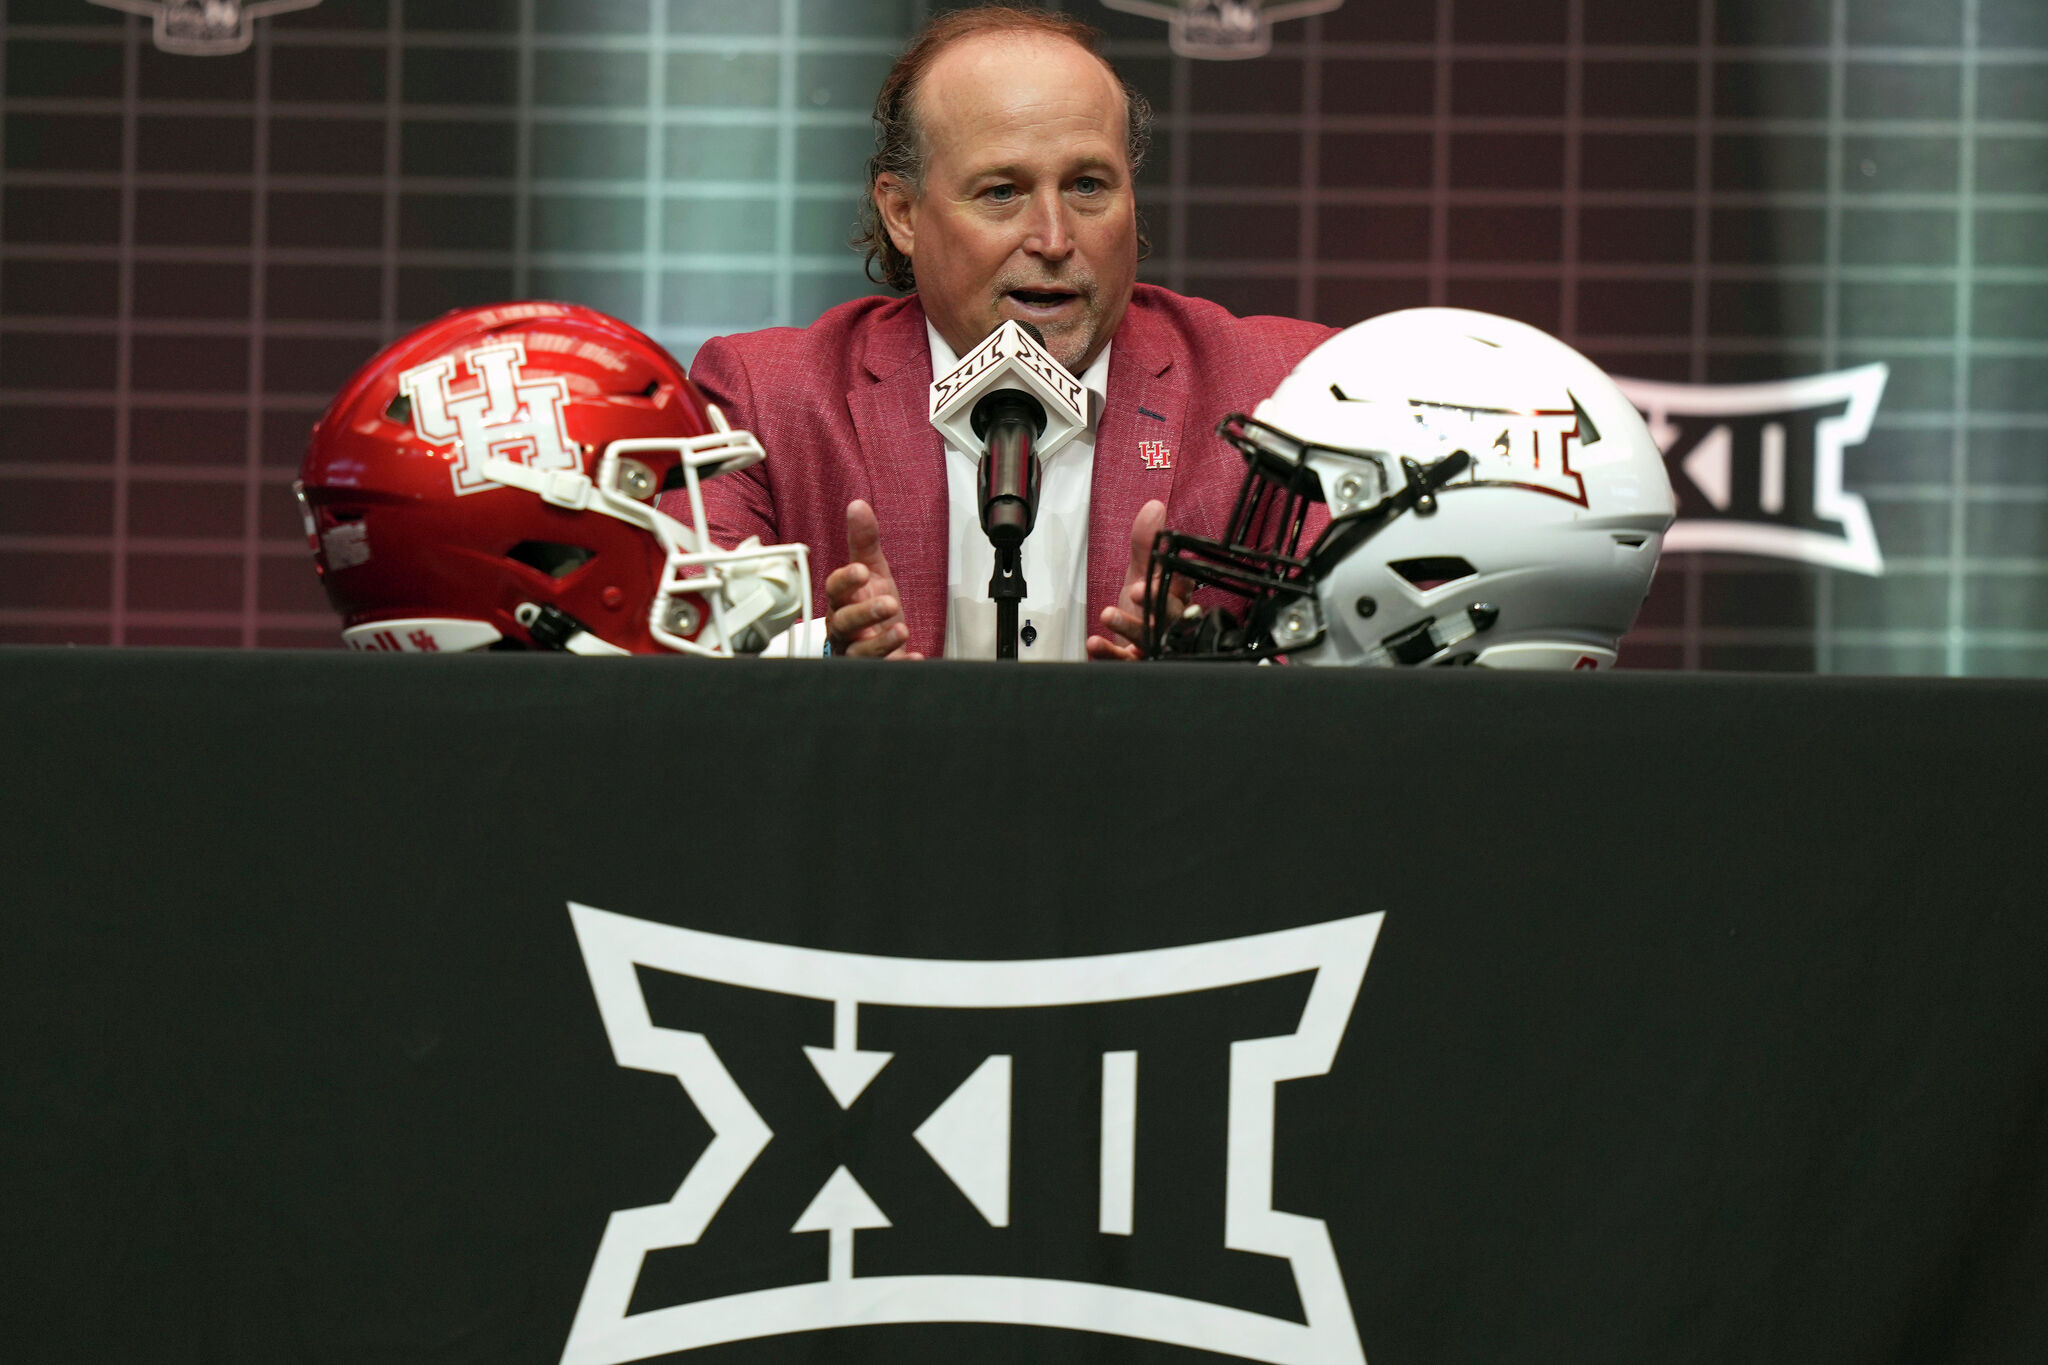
point(196, 250)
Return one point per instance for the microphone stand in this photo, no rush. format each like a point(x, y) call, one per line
point(1009, 421)
point(1006, 586)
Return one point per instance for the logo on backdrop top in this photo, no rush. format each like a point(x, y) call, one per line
point(850, 1062)
point(1222, 29)
point(205, 28)
point(1758, 467)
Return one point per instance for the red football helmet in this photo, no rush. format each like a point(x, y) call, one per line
point(489, 481)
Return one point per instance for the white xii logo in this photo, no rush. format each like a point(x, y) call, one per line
point(1757, 468)
point(967, 1136)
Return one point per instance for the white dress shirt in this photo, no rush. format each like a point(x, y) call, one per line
point(1052, 622)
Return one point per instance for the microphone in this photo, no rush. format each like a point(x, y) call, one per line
point(1013, 402)
point(1009, 420)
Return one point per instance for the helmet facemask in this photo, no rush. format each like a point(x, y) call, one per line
point(1259, 559)
point(712, 603)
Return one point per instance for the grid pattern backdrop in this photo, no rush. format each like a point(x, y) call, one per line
point(196, 252)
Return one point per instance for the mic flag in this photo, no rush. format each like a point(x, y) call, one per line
point(1009, 359)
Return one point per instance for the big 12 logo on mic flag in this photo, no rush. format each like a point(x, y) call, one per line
point(1084, 1143)
point(1757, 468)
point(1009, 359)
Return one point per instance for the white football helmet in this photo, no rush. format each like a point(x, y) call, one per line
point(1494, 500)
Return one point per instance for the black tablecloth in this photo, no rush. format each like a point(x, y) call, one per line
point(1706, 1017)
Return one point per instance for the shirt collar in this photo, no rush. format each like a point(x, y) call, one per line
point(1095, 379)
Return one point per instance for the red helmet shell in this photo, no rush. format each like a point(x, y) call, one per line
point(403, 523)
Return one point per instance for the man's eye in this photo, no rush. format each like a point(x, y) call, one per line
point(1087, 184)
point(1001, 194)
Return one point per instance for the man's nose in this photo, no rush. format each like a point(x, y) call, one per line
point(1049, 234)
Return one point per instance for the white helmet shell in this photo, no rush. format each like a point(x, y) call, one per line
point(1537, 553)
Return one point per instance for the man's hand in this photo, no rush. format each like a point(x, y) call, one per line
point(1126, 620)
point(864, 618)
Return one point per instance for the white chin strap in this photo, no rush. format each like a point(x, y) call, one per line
point(754, 591)
point(1563, 657)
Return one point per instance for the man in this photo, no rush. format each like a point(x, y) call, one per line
point(1001, 188)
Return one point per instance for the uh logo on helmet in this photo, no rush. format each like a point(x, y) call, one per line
point(1493, 499)
point(490, 481)
point(502, 418)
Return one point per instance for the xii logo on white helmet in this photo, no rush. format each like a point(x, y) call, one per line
point(1530, 449)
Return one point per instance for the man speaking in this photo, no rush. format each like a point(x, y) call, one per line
point(1001, 188)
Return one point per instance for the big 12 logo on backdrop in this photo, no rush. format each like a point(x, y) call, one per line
point(1757, 468)
point(205, 28)
point(1084, 1143)
point(1222, 30)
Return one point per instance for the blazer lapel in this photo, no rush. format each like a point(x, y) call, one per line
point(1137, 454)
point(904, 458)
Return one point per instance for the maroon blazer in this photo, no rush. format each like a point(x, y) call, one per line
point(841, 408)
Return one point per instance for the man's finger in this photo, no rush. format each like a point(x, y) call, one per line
point(881, 642)
point(845, 582)
point(849, 621)
point(1151, 517)
point(864, 538)
point(1102, 647)
point(1130, 627)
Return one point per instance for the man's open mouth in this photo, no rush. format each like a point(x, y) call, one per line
point(1043, 298)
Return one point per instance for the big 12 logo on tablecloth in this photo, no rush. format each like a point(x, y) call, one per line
point(1034, 1143)
point(1757, 468)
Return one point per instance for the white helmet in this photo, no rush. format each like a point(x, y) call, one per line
point(1494, 500)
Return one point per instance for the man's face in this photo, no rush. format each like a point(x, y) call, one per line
point(1027, 209)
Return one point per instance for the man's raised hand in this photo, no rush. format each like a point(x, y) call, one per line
point(864, 619)
point(1125, 622)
